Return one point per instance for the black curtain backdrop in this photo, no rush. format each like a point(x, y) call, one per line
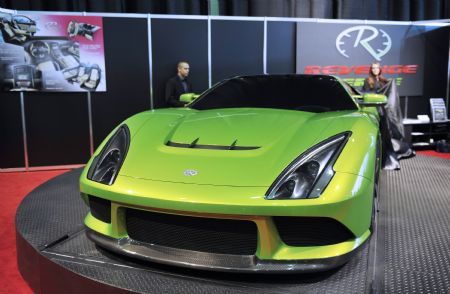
point(401, 10)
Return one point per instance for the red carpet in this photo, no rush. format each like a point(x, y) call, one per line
point(13, 188)
point(434, 153)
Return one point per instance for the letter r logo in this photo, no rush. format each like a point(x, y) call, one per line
point(363, 35)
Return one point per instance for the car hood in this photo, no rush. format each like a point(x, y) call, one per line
point(233, 147)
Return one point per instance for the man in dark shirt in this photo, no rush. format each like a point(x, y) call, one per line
point(178, 85)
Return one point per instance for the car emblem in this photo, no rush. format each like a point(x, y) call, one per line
point(377, 53)
point(190, 172)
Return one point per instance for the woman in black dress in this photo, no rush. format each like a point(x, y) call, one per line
point(375, 81)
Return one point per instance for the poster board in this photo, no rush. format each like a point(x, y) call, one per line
point(56, 53)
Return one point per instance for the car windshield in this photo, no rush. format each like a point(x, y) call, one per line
point(311, 93)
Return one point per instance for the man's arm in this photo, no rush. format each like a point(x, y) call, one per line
point(171, 98)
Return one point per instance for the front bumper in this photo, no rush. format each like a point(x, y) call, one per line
point(215, 262)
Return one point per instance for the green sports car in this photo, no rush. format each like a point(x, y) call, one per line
point(266, 173)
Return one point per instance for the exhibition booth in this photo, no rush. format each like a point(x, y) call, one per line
point(69, 79)
point(140, 52)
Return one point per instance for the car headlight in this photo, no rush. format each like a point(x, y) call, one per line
point(106, 165)
point(310, 173)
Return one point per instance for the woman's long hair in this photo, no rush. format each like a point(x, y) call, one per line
point(372, 78)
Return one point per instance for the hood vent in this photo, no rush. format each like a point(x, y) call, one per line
point(194, 145)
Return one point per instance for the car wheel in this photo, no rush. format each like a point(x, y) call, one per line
point(375, 210)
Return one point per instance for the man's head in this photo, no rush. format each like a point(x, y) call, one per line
point(183, 69)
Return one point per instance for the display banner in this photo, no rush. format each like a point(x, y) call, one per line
point(58, 53)
point(347, 50)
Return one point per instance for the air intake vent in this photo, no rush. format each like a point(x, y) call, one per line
point(194, 145)
point(221, 236)
point(100, 208)
point(311, 231)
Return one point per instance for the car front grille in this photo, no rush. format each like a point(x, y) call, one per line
point(220, 236)
point(311, 231)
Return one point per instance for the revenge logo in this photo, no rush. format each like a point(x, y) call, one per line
point(345, 70)
point(359, 69)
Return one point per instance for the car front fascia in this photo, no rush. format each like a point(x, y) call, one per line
point(342, 200)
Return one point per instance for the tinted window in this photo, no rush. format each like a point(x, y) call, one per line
point(296, 92)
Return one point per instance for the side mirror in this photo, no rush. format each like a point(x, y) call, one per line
point(188, 97)
point(371, 99)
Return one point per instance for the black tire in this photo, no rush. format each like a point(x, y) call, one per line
point(373, 221)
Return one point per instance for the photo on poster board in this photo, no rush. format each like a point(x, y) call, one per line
point(57, 53)
point(438, 110)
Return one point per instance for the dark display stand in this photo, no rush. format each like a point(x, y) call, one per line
point(11, 132)
point(425, 135)
point(55, 256)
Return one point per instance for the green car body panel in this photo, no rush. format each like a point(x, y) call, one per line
point(233, 184)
